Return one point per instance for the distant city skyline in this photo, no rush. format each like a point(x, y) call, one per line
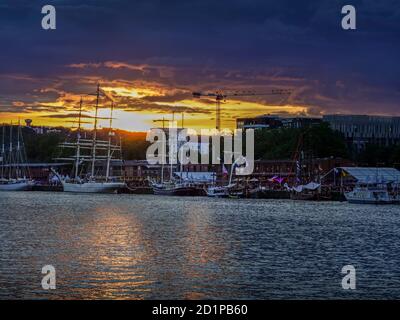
point(151, 56)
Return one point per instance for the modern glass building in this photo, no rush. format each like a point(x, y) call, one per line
point(362, 129)
point(273, 122)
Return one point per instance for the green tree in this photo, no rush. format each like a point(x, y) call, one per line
point(323, 142)
point(320, 140)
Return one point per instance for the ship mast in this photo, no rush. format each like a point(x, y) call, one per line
point(18, 154)
point(95, 131)
point(98, 150)
point(78, 147)
point(181, 165)
point(109, 143)
point(173, 151)
point(10, 154)
point(3, 152)
point(162, 162)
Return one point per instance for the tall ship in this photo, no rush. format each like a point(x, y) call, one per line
point(92, 158)
point(14, 175)
point(174, 186)
point(304, 185)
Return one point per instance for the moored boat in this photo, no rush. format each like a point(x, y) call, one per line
point(310, 191)
point(15, 185)
point(174, 189)
point(217, 192)
point(228, 191)
point(93, 187)
point(304, 195)
point(92, 182)
point(14, 170)
point(369, 194)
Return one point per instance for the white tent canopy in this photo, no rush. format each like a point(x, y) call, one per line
point(373, 175)
point(196, 176)
point(310, 186)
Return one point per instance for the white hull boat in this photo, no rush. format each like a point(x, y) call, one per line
point(217, 192)
point(369, 195)
point(93, 187)
point(14, 171)
point(92, 151)
point(15, 185)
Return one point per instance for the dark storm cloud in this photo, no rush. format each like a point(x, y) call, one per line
point(166, 109)
point(69, 115)
point(129, 104)
point(208, 45)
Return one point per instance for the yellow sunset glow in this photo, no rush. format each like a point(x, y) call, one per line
point(52, 104)
point(133, 114)
point(132, 92)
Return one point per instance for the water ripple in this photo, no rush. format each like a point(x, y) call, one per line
point(147, 247)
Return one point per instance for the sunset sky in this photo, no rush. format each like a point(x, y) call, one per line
point(152, 54)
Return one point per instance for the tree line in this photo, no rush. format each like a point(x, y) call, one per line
point(319, 141)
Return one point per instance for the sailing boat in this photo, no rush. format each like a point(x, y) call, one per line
point(215, 191)
point(14, 172)
point(174, 187)
point(90, 182)
point(303, 188)
point(230, 190)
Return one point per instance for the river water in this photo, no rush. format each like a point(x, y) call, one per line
point(148, 247)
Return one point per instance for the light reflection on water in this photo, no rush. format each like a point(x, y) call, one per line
point(147, 247)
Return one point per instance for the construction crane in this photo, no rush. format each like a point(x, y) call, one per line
point(221, 96)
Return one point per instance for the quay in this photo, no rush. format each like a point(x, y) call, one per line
point(268, 181)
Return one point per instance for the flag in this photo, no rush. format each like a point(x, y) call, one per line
point(298, 168)
point(336, 170)
point(279, 180)
point(224, 171)
point(276, 179)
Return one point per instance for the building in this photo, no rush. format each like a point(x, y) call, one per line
point(368, 175)
point(261, 122)
point(41, 172)
point(274, 122)
point(264, 169)
point(361, 130)
point(348, 177)
point(40, 129)
point(137, 171)
point(300, 122)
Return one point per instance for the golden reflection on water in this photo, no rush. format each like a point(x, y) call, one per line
point(112, 248)
point(204, 246)
point(136, 247)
